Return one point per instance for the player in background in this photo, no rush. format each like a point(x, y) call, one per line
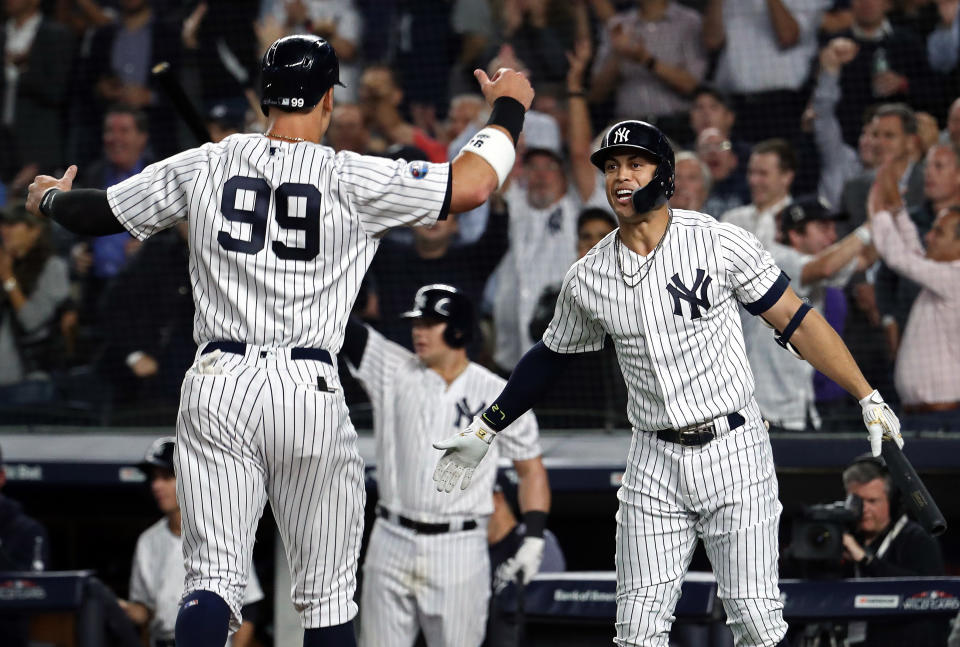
point(427, 564)
point(156, 579)
point(666, 286)
point(281, 232)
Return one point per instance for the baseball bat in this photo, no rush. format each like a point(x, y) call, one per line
point(915, 495)
point(170, 85)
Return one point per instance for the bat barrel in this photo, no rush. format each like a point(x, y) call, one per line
point(916, 497)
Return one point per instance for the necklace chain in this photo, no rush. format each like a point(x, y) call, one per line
point(628, 279)
point(285, 138)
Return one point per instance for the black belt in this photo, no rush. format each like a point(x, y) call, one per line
point(421, 527)
point(696, 435)
point(239, 348)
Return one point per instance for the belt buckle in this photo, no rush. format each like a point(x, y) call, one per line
point(696, 435)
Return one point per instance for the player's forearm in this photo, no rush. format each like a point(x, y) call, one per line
point(533, 491)
point(82, 211)
point(535, 373)
point(484, 164)
point(820, 345)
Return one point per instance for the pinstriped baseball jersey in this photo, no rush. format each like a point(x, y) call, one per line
point(412, 408)
point(281, 234)
point(677, 332)
point(673, 317)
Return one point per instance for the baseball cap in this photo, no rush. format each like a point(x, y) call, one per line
point(541, 135)
point(803, 210)
point(17, 212)
point(160, 454)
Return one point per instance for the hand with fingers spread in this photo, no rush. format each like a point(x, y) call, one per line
point(882, 423)
point(463, 451)
point(43, 183)
point(578, 60)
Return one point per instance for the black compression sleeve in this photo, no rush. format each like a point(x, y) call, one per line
point(82, 211)
point(355, 341)
point(536, 371)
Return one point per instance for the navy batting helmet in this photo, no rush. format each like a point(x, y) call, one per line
point(159, 455)
point(445, 303)
point(646, 138)
point(297, 71)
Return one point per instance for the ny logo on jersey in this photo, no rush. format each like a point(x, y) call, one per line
point(620, 135)
point(555, 221)
point(681, 292)
point(463, 411)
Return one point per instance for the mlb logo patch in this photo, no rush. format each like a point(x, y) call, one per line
point(419, 170)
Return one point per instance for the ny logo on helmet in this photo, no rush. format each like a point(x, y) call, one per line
point(621, 135)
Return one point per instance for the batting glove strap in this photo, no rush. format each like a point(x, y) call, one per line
point(881, 422)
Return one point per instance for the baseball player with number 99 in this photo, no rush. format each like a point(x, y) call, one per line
point(666, 287)
point(281, 232)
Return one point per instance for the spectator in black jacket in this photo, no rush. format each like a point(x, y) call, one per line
point(148, 319)
point(23, 547)
point(888, 544)
point(890, 65)
point(37, 56)
point(399, 269)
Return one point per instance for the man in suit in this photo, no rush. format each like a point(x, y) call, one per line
point(893, 128)
point(37, 57)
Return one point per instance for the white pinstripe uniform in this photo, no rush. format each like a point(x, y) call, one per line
point(437, 582)
point(678, 338)
point(280, 236)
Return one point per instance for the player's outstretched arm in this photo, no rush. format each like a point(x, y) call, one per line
point(534, 498)
point(463, 451)
point(485, 162)
point(82, 211)
point(820, 345)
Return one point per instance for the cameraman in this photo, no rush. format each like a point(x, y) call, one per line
point(888, 544)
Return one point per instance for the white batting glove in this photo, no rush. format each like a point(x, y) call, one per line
point(464, 451)
point(881, 422)
point(526, 562)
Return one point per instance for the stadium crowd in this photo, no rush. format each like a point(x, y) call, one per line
point(828, 128)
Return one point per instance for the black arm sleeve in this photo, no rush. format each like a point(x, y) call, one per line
point(355, 341)
point(82, 211)
point(537, 370)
